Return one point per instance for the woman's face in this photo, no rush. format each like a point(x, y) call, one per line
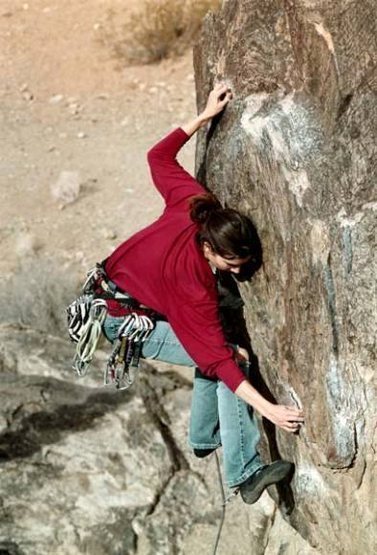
point(221, 263)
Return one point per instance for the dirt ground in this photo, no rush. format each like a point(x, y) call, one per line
point(67, 105)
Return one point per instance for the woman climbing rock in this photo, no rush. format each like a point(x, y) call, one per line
point(170, 268)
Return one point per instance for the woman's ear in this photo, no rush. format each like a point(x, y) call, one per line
point(207, 249)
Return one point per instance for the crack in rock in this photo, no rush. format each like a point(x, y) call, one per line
point(161, 420)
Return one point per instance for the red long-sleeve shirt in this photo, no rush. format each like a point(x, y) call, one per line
point(163, 267)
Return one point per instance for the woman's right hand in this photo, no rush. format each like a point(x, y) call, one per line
point(288, 418)
point(217, 100)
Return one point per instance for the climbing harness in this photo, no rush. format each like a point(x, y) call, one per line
point(86, 316)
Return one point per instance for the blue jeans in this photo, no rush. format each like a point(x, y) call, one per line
point(218, 416)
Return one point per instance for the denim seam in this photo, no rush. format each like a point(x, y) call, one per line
point(205, 445)
point(245, 474)
point(242, 435)
point(252, 468)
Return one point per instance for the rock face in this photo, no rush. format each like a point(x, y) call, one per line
point(296, 151)
point(87, 470)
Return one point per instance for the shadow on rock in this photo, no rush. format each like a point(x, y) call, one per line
point(48, 425)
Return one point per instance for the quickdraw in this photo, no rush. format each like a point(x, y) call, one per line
point(124, 359)
point(89, 333)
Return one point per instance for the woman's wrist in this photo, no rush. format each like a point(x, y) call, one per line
point(192, 126)
point(249, 394)
point(217, 100)
point(204, 119)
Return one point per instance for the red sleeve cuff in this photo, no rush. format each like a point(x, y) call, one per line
point(231, 375)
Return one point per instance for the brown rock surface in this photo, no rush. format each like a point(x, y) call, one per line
point(296, 150)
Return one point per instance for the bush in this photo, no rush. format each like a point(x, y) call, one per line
point(157, 30)
point(37, 295)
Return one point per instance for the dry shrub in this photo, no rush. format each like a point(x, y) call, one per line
point(36, 296)
point(157, 30)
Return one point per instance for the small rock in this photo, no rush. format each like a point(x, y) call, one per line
point(74, 109)
point(81, 135)
point(27, 245)
point(3, 424)
point(67, 188)
point(55, 99)
point(109, 234)
point(27, 96)
point(46, 395)
point(153, 90)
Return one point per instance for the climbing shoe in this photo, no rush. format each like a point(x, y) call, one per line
point(252, 488)
point(201, 453)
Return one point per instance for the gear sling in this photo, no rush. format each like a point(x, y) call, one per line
point(86, 316)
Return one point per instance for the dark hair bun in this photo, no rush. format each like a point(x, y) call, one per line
point(202, 206)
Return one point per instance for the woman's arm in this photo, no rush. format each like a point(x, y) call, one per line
point(173, 182)
point(287, 418)
point(217, 100)
point(214, 358)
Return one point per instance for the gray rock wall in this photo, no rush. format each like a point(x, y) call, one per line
point(88, 470)
point(296, 151)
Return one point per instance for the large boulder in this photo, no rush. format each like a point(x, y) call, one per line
point(296, 151)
